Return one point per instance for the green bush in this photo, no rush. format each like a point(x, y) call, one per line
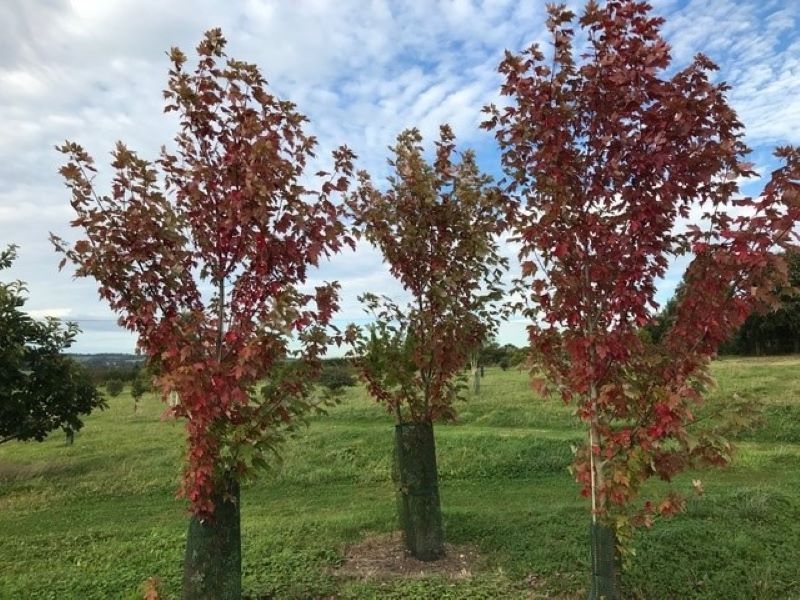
point(114, 387)
point(336, 377)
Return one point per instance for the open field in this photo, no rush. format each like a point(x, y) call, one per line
point(96, 519)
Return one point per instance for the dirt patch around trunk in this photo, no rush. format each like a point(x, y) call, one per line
point(384, 557)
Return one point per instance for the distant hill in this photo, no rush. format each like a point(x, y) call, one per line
point(108, 360)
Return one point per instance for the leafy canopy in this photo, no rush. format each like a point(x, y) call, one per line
point(204, 253)
point(437, 226)
point(609, 153)
point(40, 389)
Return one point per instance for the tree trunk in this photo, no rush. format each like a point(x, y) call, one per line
point(474, 360)
point(212, 568)
point(605, 563)
point(417, 494)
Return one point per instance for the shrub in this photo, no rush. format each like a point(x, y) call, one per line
point(336, 377)
point(114, 387)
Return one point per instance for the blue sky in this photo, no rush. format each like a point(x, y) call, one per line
point(92, 71)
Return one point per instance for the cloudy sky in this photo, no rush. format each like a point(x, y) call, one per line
point(362, 70)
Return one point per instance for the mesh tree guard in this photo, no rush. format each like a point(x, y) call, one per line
point(605, 563)
point(417, 490)
point(212, 568)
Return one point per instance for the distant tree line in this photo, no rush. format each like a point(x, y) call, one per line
point(776, 332)
point(103, 368)
point(505, 356)
point(771, 333)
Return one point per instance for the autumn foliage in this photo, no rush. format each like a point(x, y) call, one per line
point(203, 253)
point(437, 226)
point(610, 153)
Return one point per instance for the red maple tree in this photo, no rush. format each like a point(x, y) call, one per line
point(203, 254)
point(437, 226)
point(609, 156)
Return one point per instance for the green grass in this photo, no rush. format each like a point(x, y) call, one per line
point(98, 518)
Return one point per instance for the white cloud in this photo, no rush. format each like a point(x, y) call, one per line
point(361, 69)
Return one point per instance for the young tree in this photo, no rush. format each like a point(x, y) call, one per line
point(608, 155)
point(40, 389)
point(437, 227)
point(202, 254)
point(335, 377)
point(482, 335)
point(114, 387)
point(139, 386)
point(488, 353)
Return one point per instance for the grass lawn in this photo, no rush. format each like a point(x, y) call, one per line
point(98, 518)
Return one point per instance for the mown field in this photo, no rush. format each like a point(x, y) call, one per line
point(98, 518)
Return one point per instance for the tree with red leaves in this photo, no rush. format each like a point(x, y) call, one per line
point(437, 227)
point(202, 254)
point(609, 157)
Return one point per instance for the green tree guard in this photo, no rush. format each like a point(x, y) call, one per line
point(212, 568)
point(605, 563)
point(416, 479)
